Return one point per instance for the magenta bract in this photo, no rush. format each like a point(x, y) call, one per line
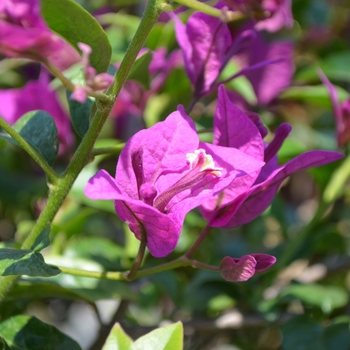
point(205, 41)
point(242, 269)
point(269, 80)
point(25, 34)
point(233, 128)
point(274, 14)
point(37, 95)
point(163, 173)
point(341, 112)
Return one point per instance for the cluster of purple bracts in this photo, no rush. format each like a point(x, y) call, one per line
point(165, 171)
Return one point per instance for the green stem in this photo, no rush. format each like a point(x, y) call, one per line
point(38, 158)
point(58, 74)
point(140, 255)
point(82, 155)
point(198, 241)
point(108, 150)
point(228, 16)
point(199, 6)
point(68, 84)
point(151, 14)
point(122, 276)
point(113, 276)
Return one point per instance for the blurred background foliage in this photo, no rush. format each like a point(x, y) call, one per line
point(301, 303)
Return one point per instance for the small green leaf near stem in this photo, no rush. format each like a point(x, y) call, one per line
point(37, 157)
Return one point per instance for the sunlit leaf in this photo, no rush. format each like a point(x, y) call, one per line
point(118, 340)
point(75, 24)
point(165, 338)
point(79, 113)
point(24, 262)
point(28, 333)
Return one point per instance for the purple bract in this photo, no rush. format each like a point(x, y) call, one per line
point(33, 96)
point(163, 173)
point(25, 34)
point(233, 128)
point(341, 112)
point(242, 269)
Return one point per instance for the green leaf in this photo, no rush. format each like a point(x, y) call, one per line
point(24, 262)
point(301, 334)
point(165, 338)
point(79, 113)
point(336, 184)
point(28, 333)
point(25, 289)
point(75, 24)
point(140, 71)
point(3, 143)
point(337, 336)
point(39, 130)
point(42, 241)
point(98, 249)
point(335, 67)
point(327, 298)
point(315, 94)
point(118, 339)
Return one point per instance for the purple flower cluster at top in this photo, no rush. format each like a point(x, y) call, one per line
point(234, 128)
point(25, 34)
point(270, 15)
point(208, 44)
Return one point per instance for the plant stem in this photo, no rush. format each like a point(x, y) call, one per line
point(139, 258)
point(122, 276)
point(108, 150)
point(199, 6)
point(82, 155)
point(199, 240)
point(38, 158)
point(151, 14)
point(113, 276)
point(58, 74)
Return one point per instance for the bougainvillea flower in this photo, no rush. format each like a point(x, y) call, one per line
point(164, 172)
point(33, 96)
point(25, 34)
point(233, 128)
point(341, 112)
point(93, 82)
point(205, 41)
point(242, 269)
point(271, 15)
point(269, 80)
point(207, 45)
